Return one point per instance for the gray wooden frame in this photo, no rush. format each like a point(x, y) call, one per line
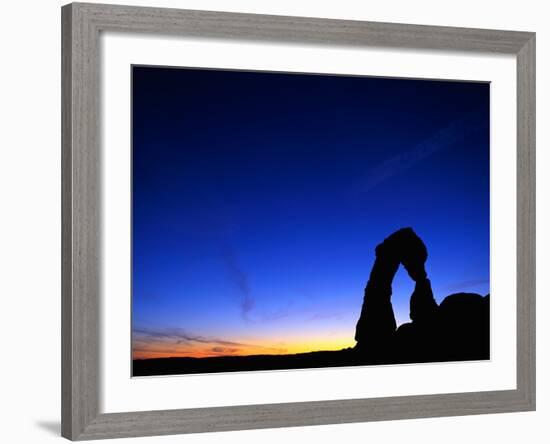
point(81, 26)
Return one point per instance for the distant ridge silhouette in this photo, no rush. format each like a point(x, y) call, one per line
point(458, 329)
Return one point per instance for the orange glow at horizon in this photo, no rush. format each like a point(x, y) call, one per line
point(163, 349)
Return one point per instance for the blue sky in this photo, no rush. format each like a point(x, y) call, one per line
point(258, 200)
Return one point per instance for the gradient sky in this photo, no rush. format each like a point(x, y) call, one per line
point(258, 200)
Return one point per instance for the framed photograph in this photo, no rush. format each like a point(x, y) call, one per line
point(278, 221)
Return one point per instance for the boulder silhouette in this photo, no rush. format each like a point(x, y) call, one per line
point(457, 329)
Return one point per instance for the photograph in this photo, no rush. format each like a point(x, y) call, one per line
point(287, 220)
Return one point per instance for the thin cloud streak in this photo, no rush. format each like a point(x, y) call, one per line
point(179, 336)
point(442, 139)
point(240, 277)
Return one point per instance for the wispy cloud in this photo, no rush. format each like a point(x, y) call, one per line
point(240, 277)
point(247, 304)
point(180, 336)
point(442, 139)
point(169, 339)
point(224, 350)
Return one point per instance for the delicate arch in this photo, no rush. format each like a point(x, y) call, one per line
point(376, 325)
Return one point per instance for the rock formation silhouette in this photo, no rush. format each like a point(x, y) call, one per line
point(457, 329)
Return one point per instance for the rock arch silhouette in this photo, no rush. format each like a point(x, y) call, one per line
point(458, 328)
point(455, 330)
point(377, 324)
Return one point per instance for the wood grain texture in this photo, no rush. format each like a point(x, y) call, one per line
point(81, 236)
point(81, 222)
point(526, 221)
point(119, 425)
point(66, 223)
point(300, 29)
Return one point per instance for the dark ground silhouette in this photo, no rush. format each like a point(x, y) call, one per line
point(455, 330)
